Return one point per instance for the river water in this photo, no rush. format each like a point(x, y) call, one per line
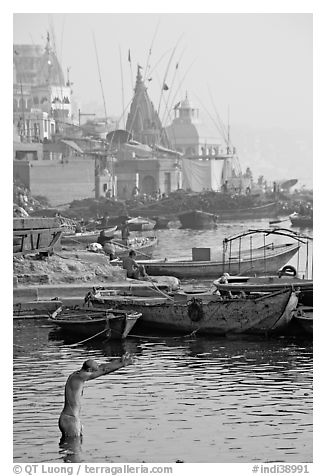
point(214, 400)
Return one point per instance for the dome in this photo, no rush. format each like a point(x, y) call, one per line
point(185, 103)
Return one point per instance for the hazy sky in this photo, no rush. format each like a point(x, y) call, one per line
point(258, 64)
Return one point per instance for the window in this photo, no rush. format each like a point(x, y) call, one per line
point(45, 126)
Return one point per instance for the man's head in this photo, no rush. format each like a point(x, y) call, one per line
point(132, 253)
point(90, 365)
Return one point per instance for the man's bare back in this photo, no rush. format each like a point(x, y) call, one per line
point(69, 421)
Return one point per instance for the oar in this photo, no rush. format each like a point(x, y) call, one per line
point(277, 221)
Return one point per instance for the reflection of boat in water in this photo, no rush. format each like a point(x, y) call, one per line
point(206, 313)
point(90, 322)
point(303, 221)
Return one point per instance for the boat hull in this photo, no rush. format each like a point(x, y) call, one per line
point(144, 247)
point(269, 284)
point(197, 219)
point(269, 263)
point(303, 318)
point(85, 238)
point(90, 323)
point(209, 314)
point(301, 221)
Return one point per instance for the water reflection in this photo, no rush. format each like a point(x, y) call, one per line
point(226, 399)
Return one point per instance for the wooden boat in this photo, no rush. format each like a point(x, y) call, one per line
point(144, 247)
point(207, 313)
point(140, 224)
point(263, 211)
point(35, 235)
point(263, 260)
point(198, 219)
point(35, 309)
point(235, 260)
point(301, 221)
point(161, 222)
point(85, 238)
point(303, 317)
point(90, 322)
point(246, 284)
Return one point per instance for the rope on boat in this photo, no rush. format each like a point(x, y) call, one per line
point(85, 340)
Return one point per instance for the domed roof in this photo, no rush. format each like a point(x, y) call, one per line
point(185, 103)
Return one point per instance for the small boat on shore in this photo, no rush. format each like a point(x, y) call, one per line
point(35, 235)
point(206, 312)
point(90, 322)
point(301, 221)
point(86, 237)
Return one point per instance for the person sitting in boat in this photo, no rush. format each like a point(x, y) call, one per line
point(134, 270)
point(69, 421)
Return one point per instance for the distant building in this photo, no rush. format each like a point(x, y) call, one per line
point(188, 134)
point(205, 164)
point(143, 121)
point(144, 162)
point(41, 98)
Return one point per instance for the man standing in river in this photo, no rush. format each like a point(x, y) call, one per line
point(69, 421)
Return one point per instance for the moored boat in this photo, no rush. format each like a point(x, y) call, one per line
point(268, 210)
point(301, 221)
point(86, 237)
point(144, 246)
point(140, 224)
point(263, 260)
point(303, 317)
point(246, 284)
point(236, 259)
point(208, 313)
point(161, 222)
point(197, 219)
point(90, 322)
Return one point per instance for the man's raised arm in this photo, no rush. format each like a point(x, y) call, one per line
point(111, 366)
